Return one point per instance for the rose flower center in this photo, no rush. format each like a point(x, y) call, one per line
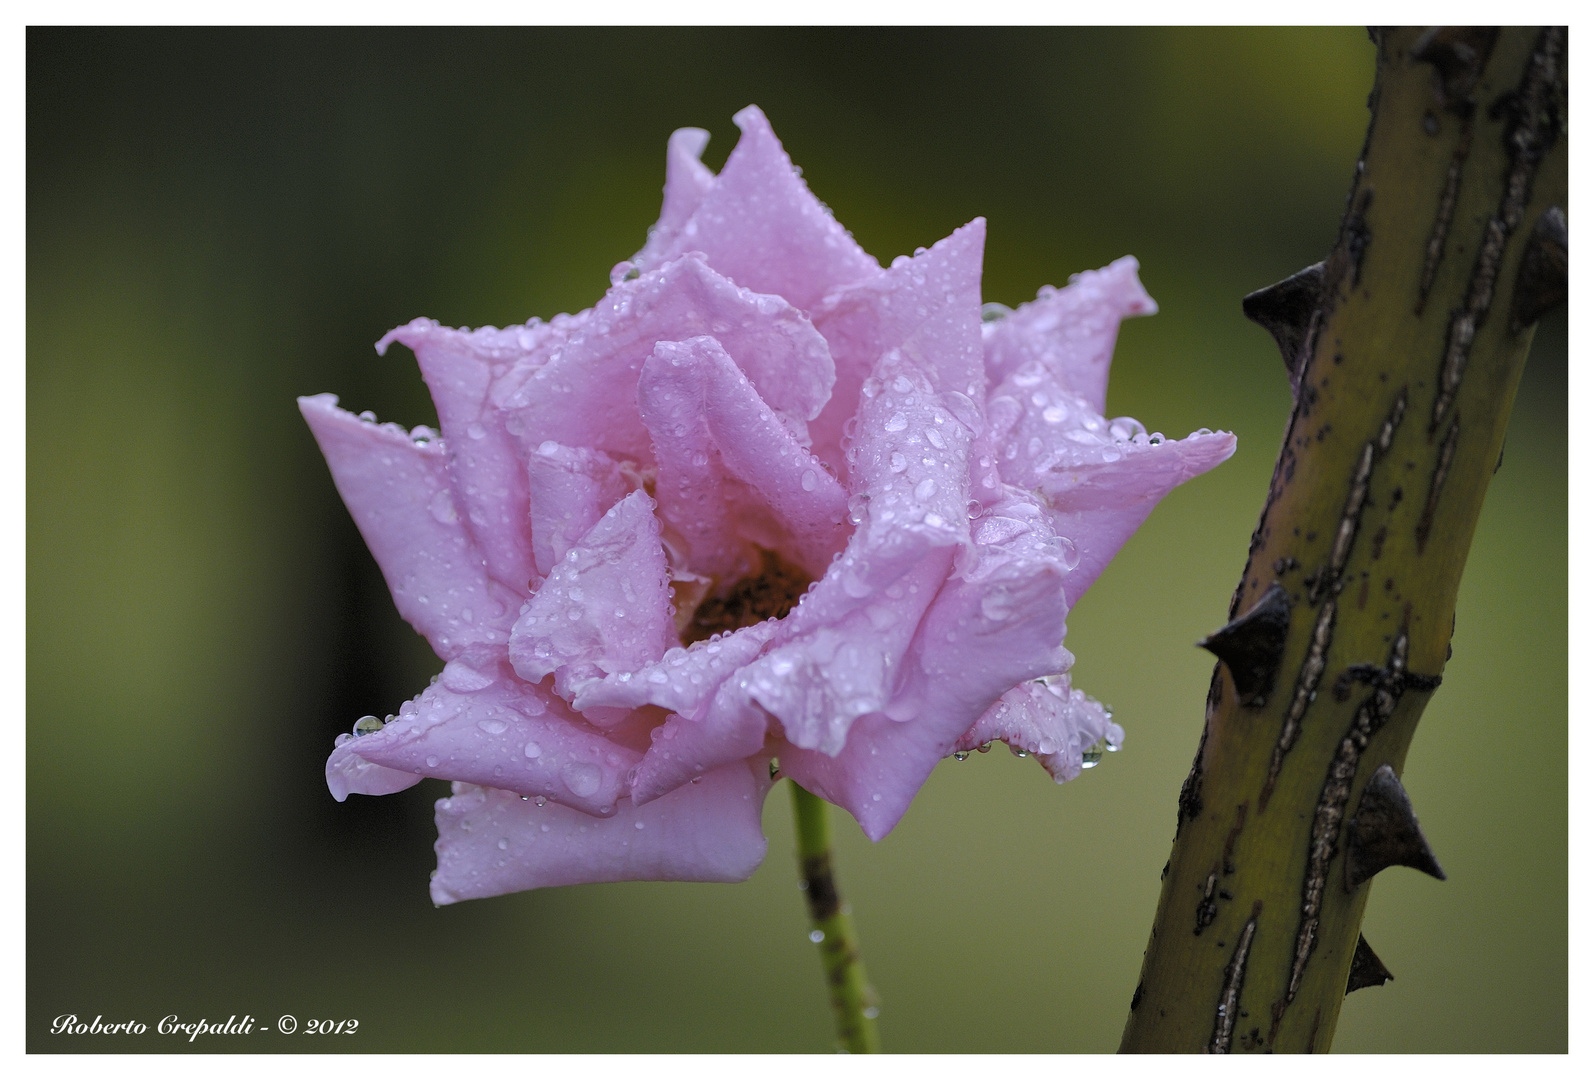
point(768, 594)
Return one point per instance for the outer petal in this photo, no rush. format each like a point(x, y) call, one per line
point(730, 729)
point(683, 679)
point(1100, 480)
point(999, 623)
point(585, 395)
point(570, 489)
point(398, 494)
point(1047, 718)
point(485, 467)
point(726, 461)
point(761, 226)
point(604, 608)
point(481, 725)
point(490, 842)
point(1071, 331)
point(686, 181)
point(350, 774)
point(929, 308)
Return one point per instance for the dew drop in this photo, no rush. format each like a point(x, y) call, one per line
point(816, 936)
point(367, 725)
point(581, 778)
point(1092, 755)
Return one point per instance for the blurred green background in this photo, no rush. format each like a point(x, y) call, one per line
point(218, 221)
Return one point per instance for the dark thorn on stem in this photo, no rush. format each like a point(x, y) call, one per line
point(1365, 968)
point(1541, 279)
point(1384, 832)
point(1458, 54)
point(1285, 309)
point(1253, 645)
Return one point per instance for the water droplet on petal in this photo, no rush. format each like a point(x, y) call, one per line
point(367, 725)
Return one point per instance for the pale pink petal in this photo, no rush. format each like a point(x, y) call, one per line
point(481, 725)
point(761, 226)
point(997, 623)
point(819, 683)
point(1099, 506)
point(683, 679)
point(605, 606)
point(398, 494)
point(727, 463)
point(1049, 719)
point(686, 181)
point(1098, 479)
point(585, 394)
point(350, 774)
point(839, 652)
point(485, 466)
point(1071, 331)
point(929, 308)
point(570, 489)
point(683, 748)
point(490, 842)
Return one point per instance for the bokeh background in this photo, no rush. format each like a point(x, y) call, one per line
point(218, 221)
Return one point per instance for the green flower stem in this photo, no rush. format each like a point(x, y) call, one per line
point(852, 999)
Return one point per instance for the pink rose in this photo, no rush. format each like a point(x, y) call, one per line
point(766, 499)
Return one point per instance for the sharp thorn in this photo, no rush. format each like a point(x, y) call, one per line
point(1365, 968)
point(1285, 309)
point(1458, 55)
point(1252, 645)
point(1541, 279)
point(1384, 832)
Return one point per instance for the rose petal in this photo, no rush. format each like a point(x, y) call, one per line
point(350, 774)
point(398, 494)
point(1047, 718)
point(761, 226)
point(819, 683)
point(726, 461)
point(485, 469)
point(1098, 479)
point(504, 733)
point(929, 308)
point(686, 181)
point(605, 606)
point(570, 489)
point(585, 395)
point(997, 624)
point(682, 679)
point(1071, 331)
point(684, 748)
point(490, 842)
